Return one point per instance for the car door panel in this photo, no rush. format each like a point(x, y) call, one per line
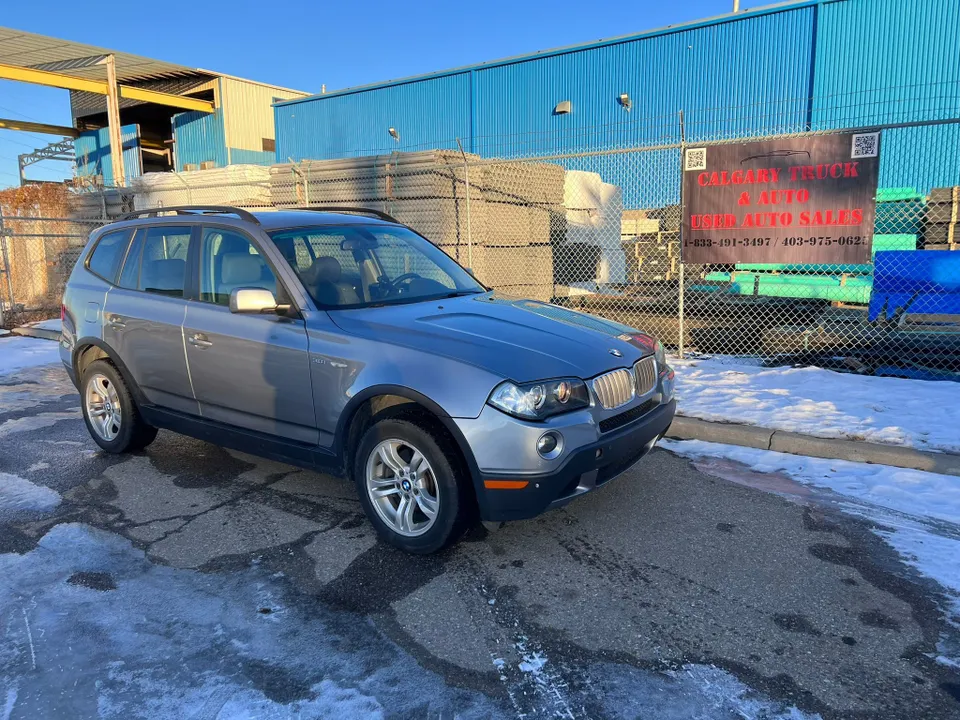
point(248, 370)
point(143, 317)
point(251, 371)
point(146, 332)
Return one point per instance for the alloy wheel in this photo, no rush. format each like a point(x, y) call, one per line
point(402, 487)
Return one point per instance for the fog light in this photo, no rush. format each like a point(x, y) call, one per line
point(549, 445)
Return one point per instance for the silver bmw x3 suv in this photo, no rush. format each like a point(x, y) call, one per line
point(346, 342)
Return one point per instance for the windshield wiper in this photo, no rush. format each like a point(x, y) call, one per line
point(458, 293)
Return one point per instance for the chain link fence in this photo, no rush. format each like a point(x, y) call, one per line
point(599, 230)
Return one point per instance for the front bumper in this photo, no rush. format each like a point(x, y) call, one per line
point(585, 468)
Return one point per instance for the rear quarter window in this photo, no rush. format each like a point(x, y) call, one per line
point(107, 254)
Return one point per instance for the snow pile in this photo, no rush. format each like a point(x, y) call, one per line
point(915, 413)
point(17, 353)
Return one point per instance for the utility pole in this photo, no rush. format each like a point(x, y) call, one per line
point(736, 5)
point(113, 122)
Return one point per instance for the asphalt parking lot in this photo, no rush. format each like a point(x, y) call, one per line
point(188, 581)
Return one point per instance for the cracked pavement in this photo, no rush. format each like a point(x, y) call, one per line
point(189, 581)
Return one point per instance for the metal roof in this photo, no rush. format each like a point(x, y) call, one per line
point(716, 20)
point(42, 52)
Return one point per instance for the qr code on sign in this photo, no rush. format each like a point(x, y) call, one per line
point(866, 145)
point(696, 159)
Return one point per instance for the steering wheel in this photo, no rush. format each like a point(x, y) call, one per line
point(405, 278)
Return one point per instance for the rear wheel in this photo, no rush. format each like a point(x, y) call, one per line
point(109, 411)
point(407, 478)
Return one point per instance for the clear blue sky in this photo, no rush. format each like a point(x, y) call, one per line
point(304, 44)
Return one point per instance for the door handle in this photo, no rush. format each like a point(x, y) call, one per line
point(199, 340)
point(116, 322)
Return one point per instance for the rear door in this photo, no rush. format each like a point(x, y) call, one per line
point(250, 371)
point(143, 315)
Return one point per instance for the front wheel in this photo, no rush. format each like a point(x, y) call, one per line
point(109, 411)
point(406, 476)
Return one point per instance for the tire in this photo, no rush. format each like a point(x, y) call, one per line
point(441, 479)
point(102, 389)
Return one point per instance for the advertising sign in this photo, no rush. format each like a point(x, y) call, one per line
point(804, 200)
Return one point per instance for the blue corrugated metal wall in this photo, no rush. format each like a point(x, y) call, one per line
point(199, 138)
point(430, 113)
point(732, 65)
point(886, 61)
point(815, 65)
point(239, 156)
point(92, 149)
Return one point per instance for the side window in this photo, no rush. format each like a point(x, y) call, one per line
point(130, 275)
point(229, 261)
point(106, 256)
point(163, 265)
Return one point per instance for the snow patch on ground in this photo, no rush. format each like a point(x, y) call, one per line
point(36, 422)
point(53, 324)
point(691, 691)
point(919, 511)
point(914, 413)
point(18, 495)
point(22, 352)
point(158, 642)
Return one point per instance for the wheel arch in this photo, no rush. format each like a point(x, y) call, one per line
point(362, 407)
point(87, 350)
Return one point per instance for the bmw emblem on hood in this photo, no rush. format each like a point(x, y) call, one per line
point(615, 352)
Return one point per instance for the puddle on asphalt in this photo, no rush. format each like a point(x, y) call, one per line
point(772, 482)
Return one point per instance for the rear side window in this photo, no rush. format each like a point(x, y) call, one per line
point(106, 256)
point(163, 264)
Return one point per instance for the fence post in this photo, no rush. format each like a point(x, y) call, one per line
point(7, 270)
point(680, 323)
point(466, 170)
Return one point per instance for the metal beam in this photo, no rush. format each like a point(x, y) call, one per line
point(68, 82)
point(42, 77)
point(35, 127)
point(62, 150)
point(159, 98)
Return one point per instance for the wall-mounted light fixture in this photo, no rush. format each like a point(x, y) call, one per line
point(394, 134)
point(625, 101)
point(563, 108)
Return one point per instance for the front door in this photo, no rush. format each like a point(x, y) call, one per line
point(143, 315)
point(250, 371)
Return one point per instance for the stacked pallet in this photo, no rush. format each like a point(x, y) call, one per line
point(941, 227)
point(655, 252)
point(245, 186)
point(105, 204)
point(501, 222)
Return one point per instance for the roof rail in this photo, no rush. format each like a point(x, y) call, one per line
point(346, 209)
point(193, 210)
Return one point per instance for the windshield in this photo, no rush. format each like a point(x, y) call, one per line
point(363, 265)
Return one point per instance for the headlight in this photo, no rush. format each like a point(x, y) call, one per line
point(540, 400)
point(661, 356)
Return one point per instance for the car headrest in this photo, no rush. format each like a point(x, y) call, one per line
point(239, 268)
point(327, 269)
point(164, 274)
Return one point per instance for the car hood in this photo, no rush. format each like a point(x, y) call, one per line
point(519, 340)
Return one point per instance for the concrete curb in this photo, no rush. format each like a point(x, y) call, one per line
point(684, 428)
point(27, 331)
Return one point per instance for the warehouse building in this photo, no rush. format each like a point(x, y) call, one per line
point(813, 64)
point(170, 116)
point(158, 138)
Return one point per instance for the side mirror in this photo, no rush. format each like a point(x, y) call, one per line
point(471, 272)
point(252, 300)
